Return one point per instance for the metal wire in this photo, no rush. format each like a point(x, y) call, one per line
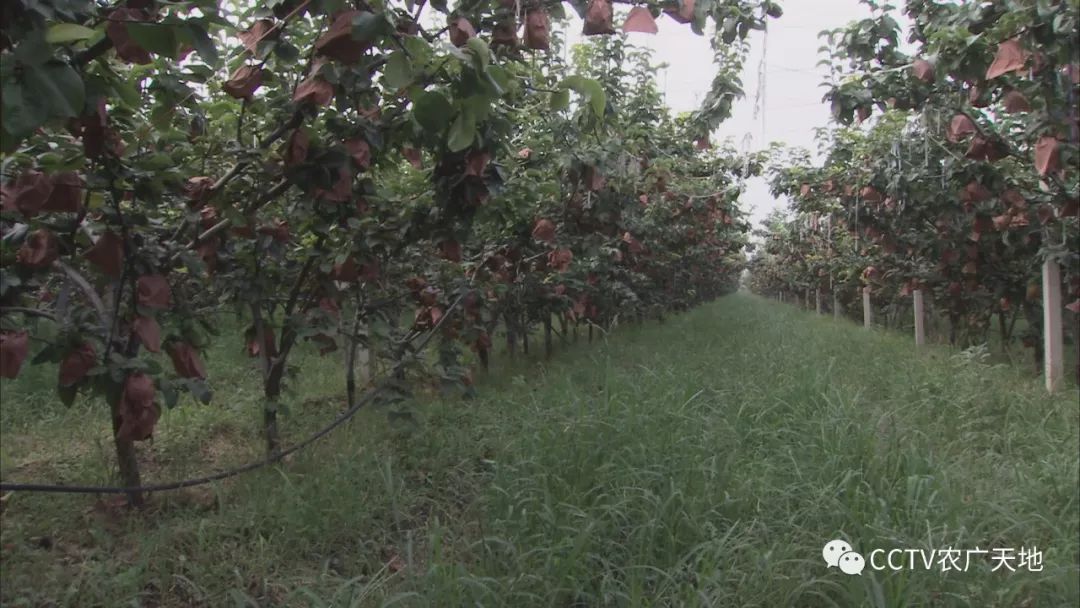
point(273, 458)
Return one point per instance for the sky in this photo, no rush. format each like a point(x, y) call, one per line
point(791, 106)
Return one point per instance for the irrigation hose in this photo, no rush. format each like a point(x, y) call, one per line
point(342, 418)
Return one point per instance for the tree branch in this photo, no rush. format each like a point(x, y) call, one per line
point(87, 289)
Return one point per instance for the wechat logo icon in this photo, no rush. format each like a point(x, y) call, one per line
point(840, 554)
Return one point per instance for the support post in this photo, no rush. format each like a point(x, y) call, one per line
point(1052, 328)
point(867, 313)
point(920, 318)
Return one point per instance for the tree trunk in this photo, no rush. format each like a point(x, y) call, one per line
point(350, 373)
point(548, 347)
point(484, 358)
point(563, 329)
point(590, 333)
point(350, 357)
point(272, 392)
point(128, 462)
point(399, 370)
point(271, 387)
point(1003, 331)
point(511, 335)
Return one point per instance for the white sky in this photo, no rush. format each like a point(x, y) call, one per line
point(791, 99)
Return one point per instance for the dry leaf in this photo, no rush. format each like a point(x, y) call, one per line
point(1014, 101)
point(137, 412)
point(450, 250)
point(107, 254)
point(1045, 213)
point(559, 260)
point(127, 49)
point(342, 189)
point(296, 149)
point(198, 189)
point(640, 20)
point(685, 12)
point(460, 31)
point(923, 70)
point(413, 156)
point(147, 330)
point(476, 161)
point(27, 193)
point(244, 82)
point(278, 230)
point(871, 195)
point(154, 292)
point(537, 30)
point(314, 90)
point(1014, 199)
point(1047, 155)
point(76, 364)
point(186, 360)
point(975, 192)
point(39, 250)
point(338, 43)
point(67, 193)
point(505, 33)
point(360, 152)
point(598, 18)
point(346, 272)
point(977, 97)
point(544, 230)
point(960, 127)
point(1010, 57)
point(14, 346)
point(259, 31)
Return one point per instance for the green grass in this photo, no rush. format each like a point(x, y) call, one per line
point(700, 462)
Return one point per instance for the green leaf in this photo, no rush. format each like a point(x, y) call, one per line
point(419, 50)
point(398, 73)
point(479, 106)
point(128, 93)
point(498, 77)
point(169, 393)
point(33, 50)
point(462, 132)
point(432, 110)
point(204, 46)
point(57, 86)
point(67, 32)
point(366, 27)
point(200, 391)
point(67, 394)
point(590, 90)
point(19, 117)
point(157, 38)
point(560, 100)
point(286, 52)
point(480, 51)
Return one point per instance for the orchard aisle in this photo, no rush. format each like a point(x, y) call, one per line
point(701, 461)
point(707, 460)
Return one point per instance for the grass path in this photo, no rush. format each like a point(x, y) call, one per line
point(699, 462)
